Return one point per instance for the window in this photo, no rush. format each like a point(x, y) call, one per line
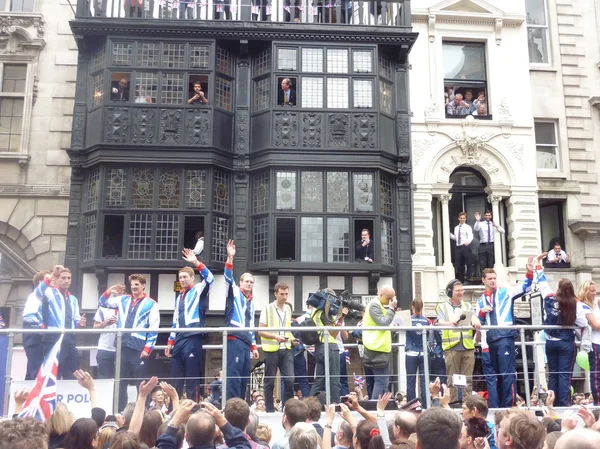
point(552, 224)
point(17, 5)
point(12, 103)
point(546, 145)
point(262, 80)
point(465, 80)
point(537, 31)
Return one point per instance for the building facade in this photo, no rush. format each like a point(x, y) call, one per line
point(38, 66)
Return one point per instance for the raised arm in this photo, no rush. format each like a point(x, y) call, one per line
point(526, 285)
point(229, 280)
point(190, 257)
point(112, 297)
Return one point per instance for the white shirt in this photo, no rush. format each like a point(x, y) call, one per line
point(106, 342)
point(199, 246)
point(466, 234)
point(596, 334)
point(482, 227)
point(562, 257)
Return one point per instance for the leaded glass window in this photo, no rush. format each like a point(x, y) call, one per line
point(224, 62)
point(312, 60)
point(260, 240)
point(338, 240)
point(312, 92)
point(221, 192)
point(362, 62)
point(287, 59)
point(262, 94)
point(142, 188)
point(122, 54)
point(385, 97)
point(337, 93)
point(337, 192)
point(223, 93)
point(116, 187)
point(146, 86)
point(199, 56)
point(174, 56)
point(98, 59)
point(148, 54)
point(363, 192)
point(311, 191)
point(140, 237)
point(337, 60)
point(220, 237)
point(286, 191)
point(262, 62)
point(385, 195)
point(363, 93)
point(387, 247)
point(97, 89)
point(172, 88)
point(167, 237)
point(89, 245)
point(93, 189)
point(169, 188)
point(195, 197)
point(385, 67)
point(260, 202)
point(311, 232)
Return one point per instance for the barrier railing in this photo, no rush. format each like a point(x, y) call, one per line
point(227, 331)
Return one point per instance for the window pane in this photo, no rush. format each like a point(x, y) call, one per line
point(362, 61)
point(536, 12)
point(312, 192)
point(285, 242)
point(221, 193)
point(167, 237)
point(385, 96)
point(112, 239)
point(142, 187)
point(89, 237)
point(545, 133)
point(312, 59)
point(173, 56)
point(387, 247)
point(261, 193)
point(260, 240)
point(337, 192)
point(20, 5)
point(286, 190)
point(262, 62)
point(363, 93)
point(92, 188)
point(311, 239)
point(169, 188)
point(116, 187)
point(97, 89)
point(98, 58)
point(385, 66)
point(312, 92)
point(223, 93)
point(224, 62)
point(148, 55)
point(546, 158)
point(195, 195)
point(363, 192)
point(14, 78)
point(338, 240)
point(122, 54)
point(220, 237)
point(286, 58)
point(464, 61)
point(199, 55)
point(262, 94)
point(337, 61)
point(172, 88)
point(385, 195)
point(537, 41)
point(337, 93)
point(146, 87)
point(140, 237)
point(11, 122)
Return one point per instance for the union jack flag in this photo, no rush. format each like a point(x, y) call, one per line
point(347, 354)
point(2, 323)
point(359, 381)
point(42, 398)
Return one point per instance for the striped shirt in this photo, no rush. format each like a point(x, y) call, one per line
point(57, 304)
point(239, 310)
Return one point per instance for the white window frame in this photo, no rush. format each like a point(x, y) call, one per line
point(545, 27)
point(556, 146)
point(8, 7)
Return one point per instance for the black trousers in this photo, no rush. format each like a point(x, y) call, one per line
point(133, 370)
point(486, 255)
point(462, 257)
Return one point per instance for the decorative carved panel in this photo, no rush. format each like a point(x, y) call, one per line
point(242, 138)
point(286, 129)
point(312, 129)
point(338, 130)
point(169, 130)
point(78, 131)
point(144, 125)
point(198, 129)
point(363, 127)
point(117, 125)
point(403, 135)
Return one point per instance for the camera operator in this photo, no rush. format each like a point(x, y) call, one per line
point(378, 344)
point(333, 354)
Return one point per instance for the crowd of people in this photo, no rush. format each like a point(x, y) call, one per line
point(462, 102)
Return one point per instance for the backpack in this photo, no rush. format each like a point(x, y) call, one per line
point(309, 337)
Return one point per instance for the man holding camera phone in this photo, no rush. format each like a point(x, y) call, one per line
point(277, 345)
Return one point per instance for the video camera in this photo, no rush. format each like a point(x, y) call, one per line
point(333, 305)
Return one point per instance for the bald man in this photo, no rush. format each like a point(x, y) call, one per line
point(379, 313)
point(579, 439)
point(405, 424)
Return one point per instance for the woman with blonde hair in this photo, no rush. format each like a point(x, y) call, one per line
point(58, 426)
point(105, 436)
point(587, 297)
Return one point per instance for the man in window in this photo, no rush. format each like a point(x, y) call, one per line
point(121, 91)
point(364, 247)
point(199, 97)
point(456, 106)
point(557, 256)
point(287, 95)
point(463, 235)
point(486, 231)
point(199, 236)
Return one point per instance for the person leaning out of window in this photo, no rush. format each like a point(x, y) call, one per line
point(198, 97)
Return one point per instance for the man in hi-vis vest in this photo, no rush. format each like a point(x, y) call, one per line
point(277, 346)
point(380, 313)
point(459, 350)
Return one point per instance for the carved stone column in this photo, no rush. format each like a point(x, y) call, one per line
point(445, 199)
point(495, 201)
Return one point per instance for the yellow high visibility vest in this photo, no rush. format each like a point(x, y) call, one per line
point(451, 338)
point(270, 344)
point(380, 341)
point(317, 317)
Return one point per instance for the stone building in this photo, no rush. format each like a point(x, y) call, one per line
point(38, 66)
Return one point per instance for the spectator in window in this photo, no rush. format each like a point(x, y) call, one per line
point(142, 98)
point(120, 92)
point(199, 97)
point(287, 95)
point(199, 236)
point(449, 95)
point(456, 106)
point(557, 256)
point(468, 101)
point(223, 9)
point(364, 247)
point(481, 110)
point(480, 99)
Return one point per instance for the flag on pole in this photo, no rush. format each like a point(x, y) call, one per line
point(42, 398)
point(359, 381)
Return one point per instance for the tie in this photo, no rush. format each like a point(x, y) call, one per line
point(459, 228)
point(285, 96)
point(181, 311)
point(68, 313)
point(489, 233)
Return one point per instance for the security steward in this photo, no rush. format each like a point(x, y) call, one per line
point(186, 348)
point(277, 346)
point(459, 349)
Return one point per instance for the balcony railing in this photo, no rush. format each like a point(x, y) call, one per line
point(394, 13)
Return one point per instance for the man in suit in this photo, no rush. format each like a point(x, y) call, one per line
point(287, 95)
point(121, 91)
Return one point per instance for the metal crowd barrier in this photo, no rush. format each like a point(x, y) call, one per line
point(226, 331)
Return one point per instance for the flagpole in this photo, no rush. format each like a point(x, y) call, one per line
point(7, 375)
